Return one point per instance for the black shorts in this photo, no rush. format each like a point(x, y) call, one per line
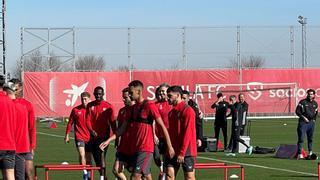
point(142, 162)
point(126, 160)
point(28, 156)
point(97, 153)
point(20, 166)
point(79, 143)
point(162, 146)
point(187, 166)
point(7, 159)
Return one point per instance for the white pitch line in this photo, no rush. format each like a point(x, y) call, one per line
point(59, 136)
point(259, 166)
point(52, 135)
point(213, 159)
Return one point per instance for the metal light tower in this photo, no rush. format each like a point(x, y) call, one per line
point(303, 21)
point(2, 40)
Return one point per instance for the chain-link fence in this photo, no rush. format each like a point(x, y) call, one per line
point(171, 47)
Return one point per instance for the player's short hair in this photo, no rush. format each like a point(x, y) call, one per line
point(9, 87)
point(85, 94)
point(176, 89)
point(219, 95)
point(311, 90)
point(125, 90)
point(186, 92)
point(233, 97)
point(135, 83)
point(2, 80)
point(164, 85)
point(16, 81)
point(98, 88)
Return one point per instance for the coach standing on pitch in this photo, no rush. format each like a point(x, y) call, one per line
point(221, 107)
point(307, 111)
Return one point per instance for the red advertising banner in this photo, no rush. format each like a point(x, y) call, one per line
point(55, 93)
point(266, 90)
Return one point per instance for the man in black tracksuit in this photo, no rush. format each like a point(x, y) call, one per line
point(236, 112)
point(199, 116)
point(221, 107)
point(307, 111)
point(243, 112)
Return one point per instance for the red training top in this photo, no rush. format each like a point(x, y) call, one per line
point(22, 133)
point(141, 132)
point(31, 121)
point(8, 123)
point(100, 115)
point(182, 130)
point(78, 118)
point(164, 109)
point(125, 141)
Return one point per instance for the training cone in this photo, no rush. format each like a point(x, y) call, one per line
point(234, 176)
point(52, 125)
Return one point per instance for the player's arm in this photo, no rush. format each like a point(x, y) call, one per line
point(88, 122)
point(156, 139)
point(32, 127)
point(69, 126)
point(186, 130)
point(118, 133)
point(113, 120)
point(300, 111)
point(166, 135)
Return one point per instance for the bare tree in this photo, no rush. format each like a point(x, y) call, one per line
point(251, 62)
point(36, 62)
point(90, 63)
point(122, 68)
point(53, 63)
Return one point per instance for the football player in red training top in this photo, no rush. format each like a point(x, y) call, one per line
point(7, 133)
point(81, 132)
point(164, 108)
point(21, 132)
point(31, 127)
point(182, 133)
point(142, 115)
point(123, 155)
point(100, 117)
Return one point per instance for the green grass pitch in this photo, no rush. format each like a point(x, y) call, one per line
point(267, 133)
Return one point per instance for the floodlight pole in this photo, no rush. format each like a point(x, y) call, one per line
point(3, 42)
point(303, 21)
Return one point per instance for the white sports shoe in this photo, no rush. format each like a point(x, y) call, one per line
point(249, 150)
point(300, 156)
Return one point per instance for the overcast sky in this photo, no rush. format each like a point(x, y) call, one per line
point(155, 13)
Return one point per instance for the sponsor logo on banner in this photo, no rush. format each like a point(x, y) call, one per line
point(74, 93)
point(64, 94)
point(254, 89)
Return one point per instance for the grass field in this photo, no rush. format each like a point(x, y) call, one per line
point(267, 133)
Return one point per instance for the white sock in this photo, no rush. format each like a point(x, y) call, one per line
point(101, 177)
point(310, 152)
point(85, 172)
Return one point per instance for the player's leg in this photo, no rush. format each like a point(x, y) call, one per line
point(188, 168)
point(301, 130)
point(19, 168)
point(225, 135)
point(216, 134)
point(171, 167)
point(142, 165)
point(118, 166)
point(7, 164)
point(29, 166)
point(309, 132)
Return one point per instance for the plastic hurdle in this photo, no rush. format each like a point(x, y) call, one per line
point(222, 166)
point(62, 167)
